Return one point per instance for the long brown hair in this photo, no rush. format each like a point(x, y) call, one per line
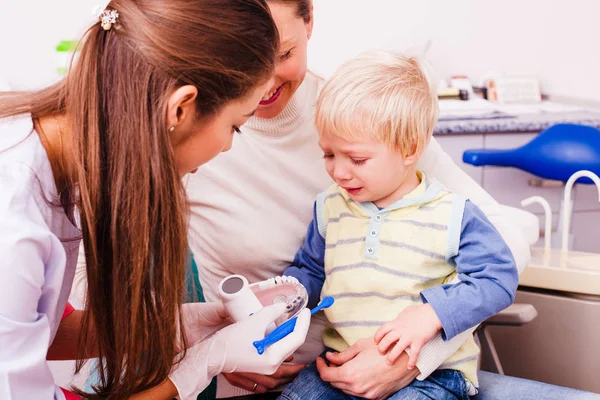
point(124, 180)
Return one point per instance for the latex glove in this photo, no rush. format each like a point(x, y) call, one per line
point(241, 356)
point(231, 349)
point(201, 320)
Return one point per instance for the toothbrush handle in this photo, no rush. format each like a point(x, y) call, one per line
point(279, 333)
point(286, 328)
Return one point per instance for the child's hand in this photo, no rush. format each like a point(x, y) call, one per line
point(413, 327)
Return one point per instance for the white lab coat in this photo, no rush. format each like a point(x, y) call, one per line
point(38, 256)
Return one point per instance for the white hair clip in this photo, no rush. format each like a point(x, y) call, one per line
point(107, 17)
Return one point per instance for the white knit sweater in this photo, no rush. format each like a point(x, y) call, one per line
point(250, 209)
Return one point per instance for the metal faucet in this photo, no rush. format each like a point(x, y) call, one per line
point(566, 217)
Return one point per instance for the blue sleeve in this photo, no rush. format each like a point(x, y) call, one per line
point(487, 272)
point(309, 263)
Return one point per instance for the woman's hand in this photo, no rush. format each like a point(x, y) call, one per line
point(202, 320)
point(284, 375)
point(362, 371)
point(231, 349)
point(241, 355)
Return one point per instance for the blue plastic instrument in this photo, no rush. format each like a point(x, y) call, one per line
point(287, 327)
point(556, 153)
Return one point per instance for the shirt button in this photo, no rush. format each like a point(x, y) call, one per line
point(373, 233)
point(378, 218)
point(370, 250)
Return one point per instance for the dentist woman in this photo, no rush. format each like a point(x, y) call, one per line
point(158, 89)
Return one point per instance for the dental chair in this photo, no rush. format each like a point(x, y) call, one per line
point(559, 347)
point(517, 314)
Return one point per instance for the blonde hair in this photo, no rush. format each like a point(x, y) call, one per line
point(381, 96)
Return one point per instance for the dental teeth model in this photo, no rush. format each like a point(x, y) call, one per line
point(282, 289)
point(242, 299)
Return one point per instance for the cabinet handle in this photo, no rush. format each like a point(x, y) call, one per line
point(549, 183)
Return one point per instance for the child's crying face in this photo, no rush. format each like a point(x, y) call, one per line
point(370, 171)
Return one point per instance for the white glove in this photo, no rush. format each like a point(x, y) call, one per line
point(202, 320)
point(241, 355)
point(231, 349)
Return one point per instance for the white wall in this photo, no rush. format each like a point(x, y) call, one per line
point(29, 33)
point(558, 41)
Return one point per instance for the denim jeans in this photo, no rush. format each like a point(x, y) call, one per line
point(491, 387)
point(501, 387)
point(445, 384)
point(498, 387)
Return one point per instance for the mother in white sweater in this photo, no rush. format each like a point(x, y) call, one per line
point(250, 208)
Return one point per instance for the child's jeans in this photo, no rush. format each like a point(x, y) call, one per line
point(444, 384)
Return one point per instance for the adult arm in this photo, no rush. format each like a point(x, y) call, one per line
point(64, 346)
point(25, 243)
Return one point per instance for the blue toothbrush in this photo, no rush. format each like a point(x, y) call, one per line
point(287, 327)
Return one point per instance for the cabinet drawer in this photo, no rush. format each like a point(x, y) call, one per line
point(563, 334)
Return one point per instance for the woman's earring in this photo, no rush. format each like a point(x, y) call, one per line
point(171, 129)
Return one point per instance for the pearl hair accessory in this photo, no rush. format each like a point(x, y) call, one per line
point(107, 17)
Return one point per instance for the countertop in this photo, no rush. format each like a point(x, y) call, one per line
point(572, 271)
point(495, 122)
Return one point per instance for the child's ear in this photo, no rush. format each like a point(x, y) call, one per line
point(412, 157)
point(411, 160)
